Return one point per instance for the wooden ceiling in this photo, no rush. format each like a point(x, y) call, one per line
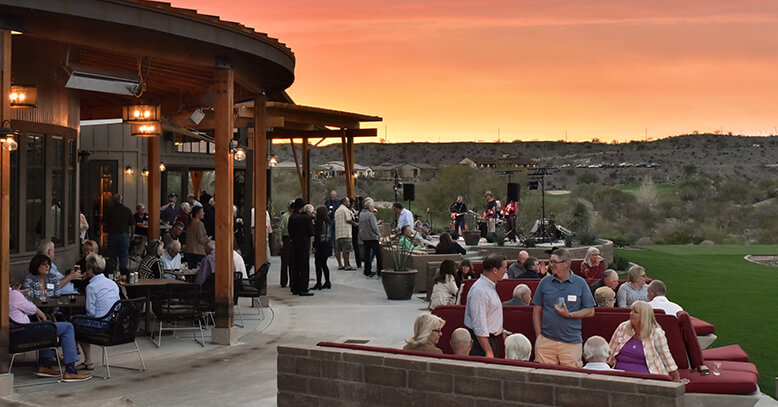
point(178, 88)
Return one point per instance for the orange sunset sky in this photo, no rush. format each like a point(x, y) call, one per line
point(460, 70)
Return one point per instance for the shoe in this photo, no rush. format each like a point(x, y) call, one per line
point(47, 372)
point(85, 366)
point(341, 268)
point(371, 275)
point(283, 285)
point(295, 292)
point(327, 285)
point(305, 294)
point(76, 377)
point(317, 287)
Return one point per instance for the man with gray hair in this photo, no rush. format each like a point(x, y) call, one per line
point(369, 234)
point(46, 248)
point(596, 352)
point(516, 269)
point(101, 294)
point(522, 295)
point(657, 292)
point(610, 278)
point(461, 342)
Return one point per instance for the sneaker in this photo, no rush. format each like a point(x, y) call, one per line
point(305, 294)
point(76, 377)
point(47, 372)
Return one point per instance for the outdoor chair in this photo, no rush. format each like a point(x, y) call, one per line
point(32, 337)
point(252, 288)
point(174, 303)
point(117, 327)
point(208, 299)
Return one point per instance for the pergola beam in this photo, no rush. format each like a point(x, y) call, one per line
point(294, 134)
point(260, 182)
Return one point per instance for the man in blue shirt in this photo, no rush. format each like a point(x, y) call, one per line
point(561, 300)
point(101, 295)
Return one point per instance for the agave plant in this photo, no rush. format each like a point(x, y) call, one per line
point(399, 257)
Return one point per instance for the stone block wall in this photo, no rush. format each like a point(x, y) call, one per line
point(320, 376)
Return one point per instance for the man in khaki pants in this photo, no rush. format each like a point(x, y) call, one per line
point(561, 300)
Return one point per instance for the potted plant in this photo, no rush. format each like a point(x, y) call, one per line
point(472, 237)
point(399, 281)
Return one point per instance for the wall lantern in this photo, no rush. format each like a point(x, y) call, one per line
point(162, 167)
point(145, 129)
point(129, 170)
point(272, 161)
point(23, 96)
point(239, 154)
point(145, 172)
point(141, 113)
point(7, 136)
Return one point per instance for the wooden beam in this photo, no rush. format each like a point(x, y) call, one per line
point(287, 134)
point(154, 186)
point(260, 181)
point(306, 170)
point(224, 228)
point(297, 166)
point(5, 202)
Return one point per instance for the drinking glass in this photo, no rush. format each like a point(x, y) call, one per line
point(560, 302)
point(72, 298)
point(43, 298)
point(716, 368)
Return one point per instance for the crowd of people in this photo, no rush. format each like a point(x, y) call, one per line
point(560, 302)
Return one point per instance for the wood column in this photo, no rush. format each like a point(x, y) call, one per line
point(306, 170)
point(224, 230)
point(5, 202)
point(154, 185)
point(348, 163)
point(260, 181)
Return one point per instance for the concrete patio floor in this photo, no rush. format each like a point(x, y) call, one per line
point(182, 372)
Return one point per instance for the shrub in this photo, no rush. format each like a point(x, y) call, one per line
point(619, 263)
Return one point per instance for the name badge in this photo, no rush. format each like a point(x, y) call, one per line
point(572, 298)
point(49, 286)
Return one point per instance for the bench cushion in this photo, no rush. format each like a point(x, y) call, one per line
point(730, 352)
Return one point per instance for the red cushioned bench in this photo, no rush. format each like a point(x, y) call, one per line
point(575, 266)
point(736, 377)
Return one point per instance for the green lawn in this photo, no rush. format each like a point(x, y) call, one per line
point(716, 284)
point(662, 190)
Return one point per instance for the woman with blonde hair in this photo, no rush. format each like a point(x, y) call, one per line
point(640, 345)
point(517, 347)
point(427, 330)
point(592, 266)
point(636, 289)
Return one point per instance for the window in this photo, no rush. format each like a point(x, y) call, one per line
point(72, 210)
point(57, 202)
point(34, 227)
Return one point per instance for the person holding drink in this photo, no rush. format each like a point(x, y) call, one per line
point(40, 282)
point(561, 300)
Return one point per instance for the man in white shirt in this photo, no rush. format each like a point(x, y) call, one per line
point(483, 312)
point(404, 217)
point(171, 258)
point(596, 352)
point(657, 292)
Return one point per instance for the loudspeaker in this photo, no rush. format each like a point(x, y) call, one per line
point(513, 191)
point(409, 192)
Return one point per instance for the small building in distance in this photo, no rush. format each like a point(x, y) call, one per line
point(405, 171)
point(504, 161)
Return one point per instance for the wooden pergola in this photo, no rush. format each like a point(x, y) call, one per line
point(186, 61)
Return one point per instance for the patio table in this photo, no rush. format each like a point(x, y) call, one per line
point(147, 285)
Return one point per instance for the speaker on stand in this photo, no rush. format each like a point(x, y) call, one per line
point(409, 193)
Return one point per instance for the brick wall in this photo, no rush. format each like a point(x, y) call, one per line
point(319, 376)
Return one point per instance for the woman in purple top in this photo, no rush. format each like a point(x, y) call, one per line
point(640, 345)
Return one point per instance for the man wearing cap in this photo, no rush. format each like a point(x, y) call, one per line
point(169, 211)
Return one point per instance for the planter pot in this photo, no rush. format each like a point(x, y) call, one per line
point(398, 285)
point(472, 237)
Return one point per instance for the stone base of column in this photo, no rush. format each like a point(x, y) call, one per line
point(263, 302)
point(6, 384)
point(224, 336)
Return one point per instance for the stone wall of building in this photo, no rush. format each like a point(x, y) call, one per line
point(321, 376)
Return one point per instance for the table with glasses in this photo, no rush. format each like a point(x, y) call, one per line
point(188, 274)
point(65, 302)
point(147, 285)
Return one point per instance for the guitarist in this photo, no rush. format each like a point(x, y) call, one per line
point(491, 212)
point(458, 210)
